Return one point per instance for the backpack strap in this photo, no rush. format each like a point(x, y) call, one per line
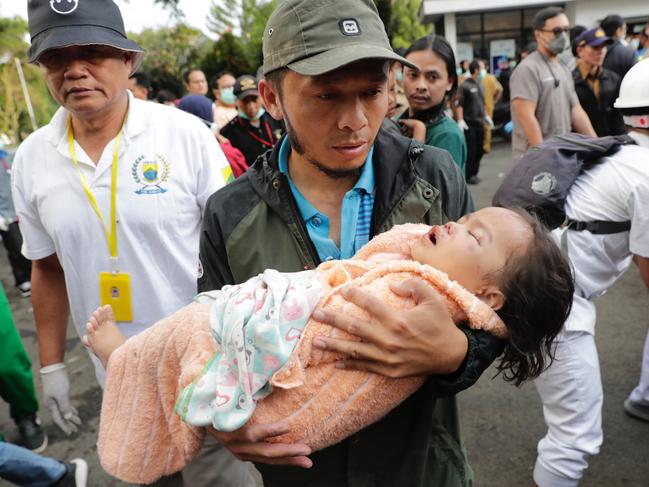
point(598, 227)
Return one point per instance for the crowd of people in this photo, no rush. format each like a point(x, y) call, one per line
point(150, 198)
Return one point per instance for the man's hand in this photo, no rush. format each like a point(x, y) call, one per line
point(247, 443)
point(56, 397)
point(395, 343)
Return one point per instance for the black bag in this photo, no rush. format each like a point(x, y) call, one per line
point(540, 181)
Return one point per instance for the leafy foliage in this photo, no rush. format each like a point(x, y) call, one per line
point(14, 118)
point(170, 52)
point(403, 25)
point(247, 18)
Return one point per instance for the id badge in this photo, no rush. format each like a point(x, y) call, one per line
point(115, 289)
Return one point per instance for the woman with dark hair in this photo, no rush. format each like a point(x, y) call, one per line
point(429, 89)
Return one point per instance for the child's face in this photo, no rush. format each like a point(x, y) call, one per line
point(475, 247)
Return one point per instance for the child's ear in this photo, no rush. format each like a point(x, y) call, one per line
point(492, 296)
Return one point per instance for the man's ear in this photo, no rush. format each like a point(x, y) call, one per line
point(270, 97)
point(492, 296)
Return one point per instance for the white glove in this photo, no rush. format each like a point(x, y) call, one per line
point(489, 121)
point(4, 223)
point(56, 396)
point(462, 124)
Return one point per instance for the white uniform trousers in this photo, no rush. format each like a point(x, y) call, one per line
point(641, 393)
point(571, 392)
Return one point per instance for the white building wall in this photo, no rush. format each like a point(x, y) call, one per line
point(589, 12)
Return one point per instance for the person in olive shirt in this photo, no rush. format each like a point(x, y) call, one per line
point(336, 180)
point(429, 88)
point(252, 131)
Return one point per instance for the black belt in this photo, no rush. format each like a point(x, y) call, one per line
point(598, 227)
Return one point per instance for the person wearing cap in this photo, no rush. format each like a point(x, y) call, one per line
point(544, 102)
point(334, 181)
point(109, 194)
point(252, 131)
point(619, 57)
point(614, 189)
point(597, 87)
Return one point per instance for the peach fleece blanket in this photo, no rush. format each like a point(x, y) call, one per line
point(142, 439)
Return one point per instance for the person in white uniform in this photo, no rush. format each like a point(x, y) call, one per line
point(109, 195)
point(571, 390)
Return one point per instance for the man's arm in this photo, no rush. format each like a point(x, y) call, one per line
point(524, 110)
point(214, 272)
point(643, 266)
point(51, 309)
point(581, 122)
point(395, 343)
point(499, 91)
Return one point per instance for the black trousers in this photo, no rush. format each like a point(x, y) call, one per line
point(475, 150)
point(20, 266)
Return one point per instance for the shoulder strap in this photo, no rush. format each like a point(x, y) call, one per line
point(598, 227)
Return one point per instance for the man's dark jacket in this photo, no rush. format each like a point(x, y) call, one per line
point(619, 58)
point(606, 120)
point(253, 224)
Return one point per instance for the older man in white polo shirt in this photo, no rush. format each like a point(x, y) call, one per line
point(109, 194)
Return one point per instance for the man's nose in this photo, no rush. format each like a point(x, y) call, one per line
point(75, 68)
point(353, 116)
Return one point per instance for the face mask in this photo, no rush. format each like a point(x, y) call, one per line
point(399, 75)
point(227, 96)
point(259, 114)
point(459, 71)
point(483, 73)
point(512, 65)
point(559, 43)
point(635, 44)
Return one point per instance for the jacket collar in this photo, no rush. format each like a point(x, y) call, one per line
point(393, 158)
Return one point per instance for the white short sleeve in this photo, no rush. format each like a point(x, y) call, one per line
point(639, 208)
point(214, 170)
point(37, 243)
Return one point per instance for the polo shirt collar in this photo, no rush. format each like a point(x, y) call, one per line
point(135, 123)
point(364, 184)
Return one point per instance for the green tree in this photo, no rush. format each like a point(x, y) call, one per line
point(14, 119)
point(404, 26)
point(226, 54)
point(170, 52)
point(245, 18)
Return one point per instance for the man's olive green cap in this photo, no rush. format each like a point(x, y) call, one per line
point(313, 37)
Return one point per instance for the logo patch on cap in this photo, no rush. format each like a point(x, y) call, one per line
point(349, 27)
point(64, 7)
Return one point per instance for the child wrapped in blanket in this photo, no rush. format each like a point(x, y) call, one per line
point(498, 269)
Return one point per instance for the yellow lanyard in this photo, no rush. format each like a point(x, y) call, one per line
point(111, 235)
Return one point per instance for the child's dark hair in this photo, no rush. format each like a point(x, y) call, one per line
point(538, 286)
point(440, 46)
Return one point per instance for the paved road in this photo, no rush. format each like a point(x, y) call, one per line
point(501, 424)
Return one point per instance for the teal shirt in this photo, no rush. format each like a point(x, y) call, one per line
point(356, 212)
point(445, 134)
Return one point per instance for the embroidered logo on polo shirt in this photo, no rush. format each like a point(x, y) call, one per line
point(64, 7)
point(151, 174)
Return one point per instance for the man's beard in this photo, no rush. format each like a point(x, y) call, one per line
point(297, 146)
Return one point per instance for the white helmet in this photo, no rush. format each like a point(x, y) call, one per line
point(633, 101)
point(634, 92)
